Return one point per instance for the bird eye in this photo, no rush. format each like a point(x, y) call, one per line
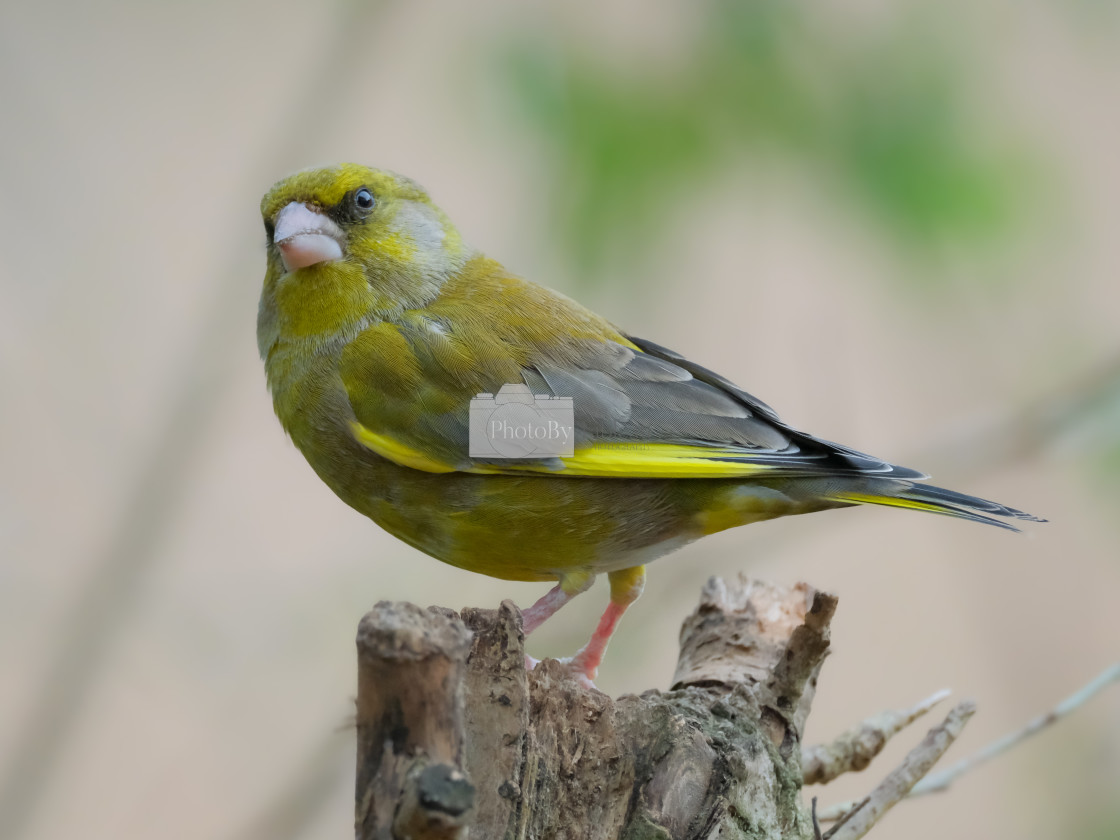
point(363, 199)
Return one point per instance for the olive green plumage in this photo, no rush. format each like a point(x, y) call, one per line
point(378, 325)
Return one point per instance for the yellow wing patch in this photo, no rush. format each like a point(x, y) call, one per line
point(397, 452)
point(658, 460)
point(601, 460)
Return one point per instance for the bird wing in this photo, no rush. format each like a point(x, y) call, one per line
point(639, 410)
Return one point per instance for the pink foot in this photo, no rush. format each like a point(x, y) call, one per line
point(579, 670)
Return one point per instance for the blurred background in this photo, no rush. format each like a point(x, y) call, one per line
point(896, 223)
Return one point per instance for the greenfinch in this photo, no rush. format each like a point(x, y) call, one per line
point(505, 429)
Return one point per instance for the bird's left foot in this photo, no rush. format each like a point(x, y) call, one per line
point(581, 669)
point(575, 666)
point(579, 672)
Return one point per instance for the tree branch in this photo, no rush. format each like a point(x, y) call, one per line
point(547, 757)
point(454, 734)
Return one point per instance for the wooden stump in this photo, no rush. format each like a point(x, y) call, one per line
point(454, 735)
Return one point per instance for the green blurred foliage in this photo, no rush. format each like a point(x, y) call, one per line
point(1107, 829)
point(887, 118)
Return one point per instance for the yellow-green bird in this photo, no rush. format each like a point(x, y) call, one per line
point(385, 337)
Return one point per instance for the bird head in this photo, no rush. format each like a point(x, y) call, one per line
point(349, 241)
point(354, 212)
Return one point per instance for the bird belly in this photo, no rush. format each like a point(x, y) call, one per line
point(536, 528)
point(519, 527)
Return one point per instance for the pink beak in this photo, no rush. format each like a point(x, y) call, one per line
point(306, 237)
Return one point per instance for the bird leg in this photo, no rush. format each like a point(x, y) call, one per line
point(546, 606)
point(626, 588)
point(536, 615)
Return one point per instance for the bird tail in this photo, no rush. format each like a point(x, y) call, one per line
point(893, 493)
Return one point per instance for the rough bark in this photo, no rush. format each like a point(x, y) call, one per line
point(454, 735)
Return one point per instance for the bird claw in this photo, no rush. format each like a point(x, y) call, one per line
point(579, 670)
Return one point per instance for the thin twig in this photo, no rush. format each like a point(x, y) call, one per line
point(853, 750)
point(847, 815)
point(940, 781)
point(920, 760)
